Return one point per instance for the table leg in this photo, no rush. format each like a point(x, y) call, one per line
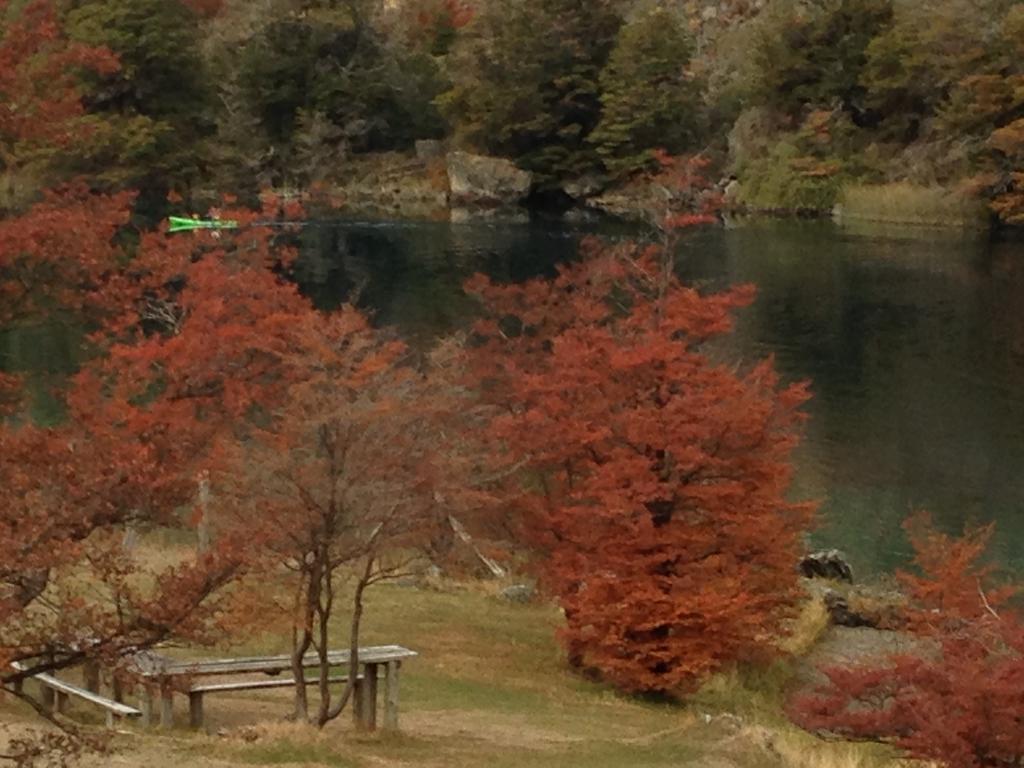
point(370, 698)
point(166, 707)
point(47, 697)
point(62, 702)
point(391, 696)
point(195, 709)
point(357, 700)
point(92, 676)
point(146, 706)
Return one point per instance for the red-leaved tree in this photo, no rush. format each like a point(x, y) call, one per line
point(350, 478)
point(60, 256)
point(653, 475)
point(143, 417)
point(959, 701)
point(40, 99)
point(317, 438)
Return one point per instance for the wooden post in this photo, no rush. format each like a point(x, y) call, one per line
point(166, 706)
point(391, 696)
point(62, 702)
point(357, 700)
point(117, 686)
point(47, 697)
point(19, 686)
point(203, 526)
point(370, 698)
point(146, 706)
point(110, 719)
point(195, 709)
point(91, 673)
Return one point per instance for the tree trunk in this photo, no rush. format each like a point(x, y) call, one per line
point(302, 639)
point(324, 610)
point(353, 667)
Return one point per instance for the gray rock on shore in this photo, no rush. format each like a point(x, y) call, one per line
point(827, 564)
point(486, 182)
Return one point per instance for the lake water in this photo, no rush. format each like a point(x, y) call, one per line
point(914, 345)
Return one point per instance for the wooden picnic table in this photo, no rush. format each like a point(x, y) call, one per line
point(164, 675)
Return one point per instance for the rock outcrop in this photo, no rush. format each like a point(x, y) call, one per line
point(476, 181)
point(827, 564)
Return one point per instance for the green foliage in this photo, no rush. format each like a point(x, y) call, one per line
point(787, 170)
point(799, 53)
point(649, 101)
point(914, 65)
point(370, 94)
point(783, 181)
point(157, 108)
point(525, 80)
point(924, 88)
point(239, 95)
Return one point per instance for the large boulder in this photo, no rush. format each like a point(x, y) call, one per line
point(827, 564)
point(487, 182)
point(842, 615)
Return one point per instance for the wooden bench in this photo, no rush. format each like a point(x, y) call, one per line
point(159, 673)
point(196, 693)
point(63, 690)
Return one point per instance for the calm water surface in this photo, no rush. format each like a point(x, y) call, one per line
point(915, 347)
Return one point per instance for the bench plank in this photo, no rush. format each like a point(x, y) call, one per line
point(160, 670)
point(196, 694)
point(255, 685)
point(67, 689)
point(157, 666)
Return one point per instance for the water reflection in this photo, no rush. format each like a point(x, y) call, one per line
point(913, 346)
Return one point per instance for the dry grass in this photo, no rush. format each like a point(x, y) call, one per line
point(800, 750)
point(808, 627)
point(909, 204)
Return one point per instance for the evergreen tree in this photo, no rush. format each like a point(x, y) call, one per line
point(648, 100)
point(799, 54)
point(916, 64)
point(526, 83)
point(155, 111)
point(334, 63)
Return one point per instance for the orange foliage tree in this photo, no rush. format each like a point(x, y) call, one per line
point(73, 497)
point(144, 417)
point(960, 701)
point(70, 588)
point(322, 444)
point(60, 256)
point(353, 477)
point(653, 477)
point(40, 100)
point(434, 24)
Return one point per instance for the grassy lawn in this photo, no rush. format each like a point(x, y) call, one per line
point(490, 688)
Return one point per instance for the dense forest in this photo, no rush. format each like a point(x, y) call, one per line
point(796, 99)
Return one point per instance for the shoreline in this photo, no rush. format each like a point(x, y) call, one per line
point(396, 186)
